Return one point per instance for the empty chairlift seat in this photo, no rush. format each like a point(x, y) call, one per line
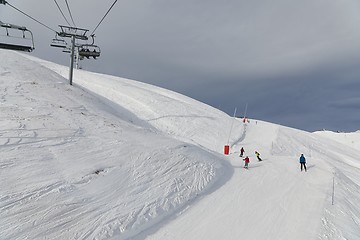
point(59, 43)
point(13, 37)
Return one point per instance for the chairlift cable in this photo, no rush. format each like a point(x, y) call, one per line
point(61, 12)
point(104, 17)
point(67, 4)
point(30, 17)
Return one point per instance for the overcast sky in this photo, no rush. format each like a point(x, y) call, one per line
point(295, 63)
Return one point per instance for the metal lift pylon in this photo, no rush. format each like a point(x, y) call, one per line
point(73, 33)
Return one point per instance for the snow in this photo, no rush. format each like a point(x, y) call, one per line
point(112, 158)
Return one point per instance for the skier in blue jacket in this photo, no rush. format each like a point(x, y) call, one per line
point(302, 162)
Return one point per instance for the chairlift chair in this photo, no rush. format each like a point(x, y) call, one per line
point(89, 50)
point(66, 50)
point(14, 45)
point(59, 43)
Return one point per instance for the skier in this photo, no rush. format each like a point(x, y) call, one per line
point(242, 151)
point(247, 160)
point(258, 156)
point(302, 162)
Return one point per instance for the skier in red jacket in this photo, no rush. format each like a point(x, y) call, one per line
point(247, 160)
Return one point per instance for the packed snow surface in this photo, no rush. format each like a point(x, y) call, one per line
point(112, 158)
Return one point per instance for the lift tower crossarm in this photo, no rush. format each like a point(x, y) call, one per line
point(78, 33)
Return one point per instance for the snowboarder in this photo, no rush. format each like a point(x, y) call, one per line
point(258, 155)
point(302, 162)
point(247, 160)
point(242, 151)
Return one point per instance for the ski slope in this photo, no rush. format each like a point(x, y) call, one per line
point(284, 204)
point(112, 158)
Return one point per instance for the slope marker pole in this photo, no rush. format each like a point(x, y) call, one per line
point(245, 110)
point(333, 192)
point(231, 126)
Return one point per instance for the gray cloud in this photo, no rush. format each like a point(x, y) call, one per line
point(352, 103)
point(287, 59)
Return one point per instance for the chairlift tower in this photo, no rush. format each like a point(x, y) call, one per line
point(73, 33)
